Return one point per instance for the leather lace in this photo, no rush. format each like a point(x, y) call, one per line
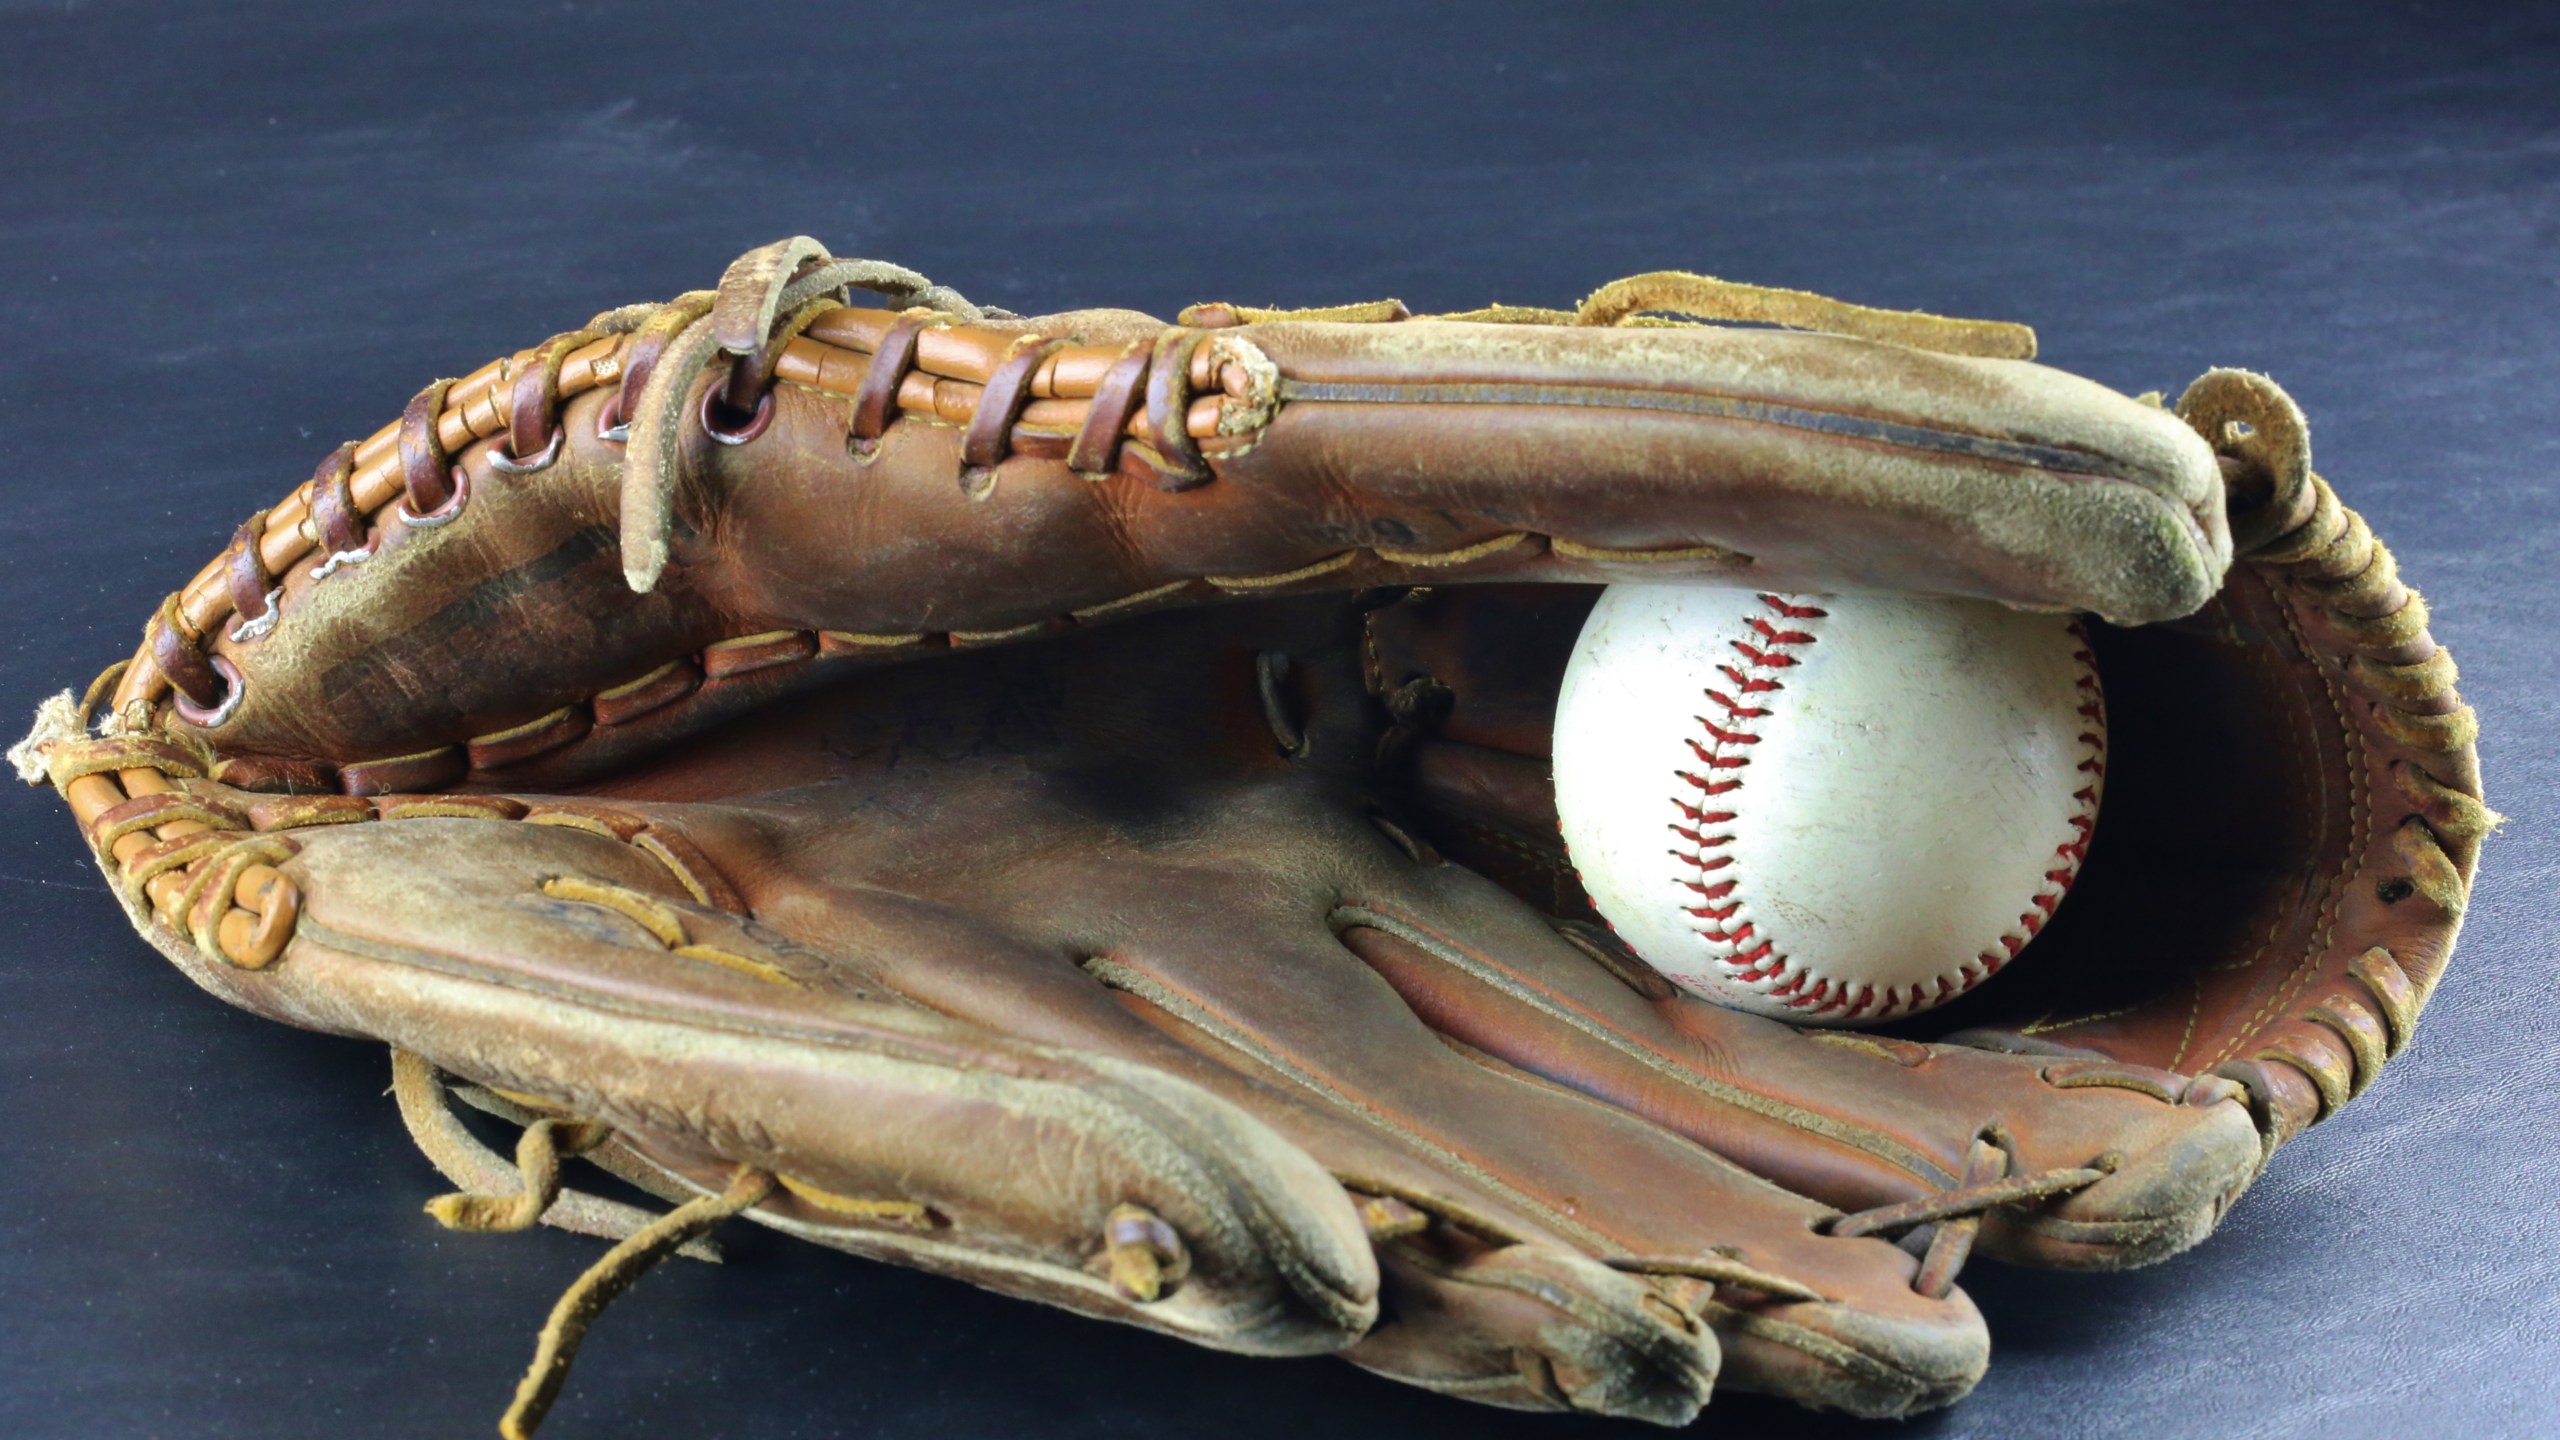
point(767, 296)
point(1957, 1212)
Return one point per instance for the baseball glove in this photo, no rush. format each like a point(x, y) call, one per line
point(786, 753)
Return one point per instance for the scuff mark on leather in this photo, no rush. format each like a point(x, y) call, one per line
point(491, 604)
point(1900, 435)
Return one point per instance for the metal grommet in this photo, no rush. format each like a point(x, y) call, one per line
point(444, 513)
point(506, 464)
point(266, 621)
point(755, 423)
point(232, 689)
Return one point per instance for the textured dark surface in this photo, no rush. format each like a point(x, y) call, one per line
point(228, 241)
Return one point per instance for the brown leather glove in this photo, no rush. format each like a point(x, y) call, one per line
point(1217, 971)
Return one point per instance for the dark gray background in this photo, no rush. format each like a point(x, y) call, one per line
point(233, 236)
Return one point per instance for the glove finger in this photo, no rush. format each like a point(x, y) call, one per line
point(2144, 1160)
point(1857, 1120)
point(365, 906)
point(1238, 959)
point(401, 928)
point(1502, 1300)
point(1535, 1325)
point(1489, 1301)
point(442, 604)
point(548, 959)
point(1506, 1302)
point(1841, 1327)
point(1345, 455)
point(1827, 1321)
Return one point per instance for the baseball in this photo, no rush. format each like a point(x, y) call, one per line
point(1835, 810)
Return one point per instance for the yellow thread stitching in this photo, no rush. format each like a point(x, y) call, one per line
point(646, 911)
point(1458, 556)
point(658, 850)
point(527, 728)
point(2187, 1034)
point(732, 960)
point(567, 820)
point(989, 637)
point(896, 1212)
point(2045, 1022)
point(745, 642)
point(1127, 601)
point(1325, 566)
point(632, 687)
point(1573, 550)
point(857, 637)
point(661, 920)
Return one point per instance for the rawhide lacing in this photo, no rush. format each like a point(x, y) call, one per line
point(1679, 298)
point(500, 1189)
point(198, 862)
point(616, 1271)
point(195, 858)
point(1134, 407)
point(1144, 1257)
point(494, 1201)
point(760, 287)
point(1677, 292)
point(770, 661)
point(1394, 1214)
point(1955, 1214)
point(176, 844)
point(1119, 413)
point(411, 471)
point(2320, 1040)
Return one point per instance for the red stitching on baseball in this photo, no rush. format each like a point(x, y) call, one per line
point(1725, 750)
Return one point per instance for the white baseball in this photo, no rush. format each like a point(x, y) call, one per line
point(1836, 810)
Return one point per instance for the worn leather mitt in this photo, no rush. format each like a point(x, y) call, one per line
point(1062, 803)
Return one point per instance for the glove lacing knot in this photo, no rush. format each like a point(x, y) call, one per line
point(766, 298)
point(495, 1201)
point(1957, 1213)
